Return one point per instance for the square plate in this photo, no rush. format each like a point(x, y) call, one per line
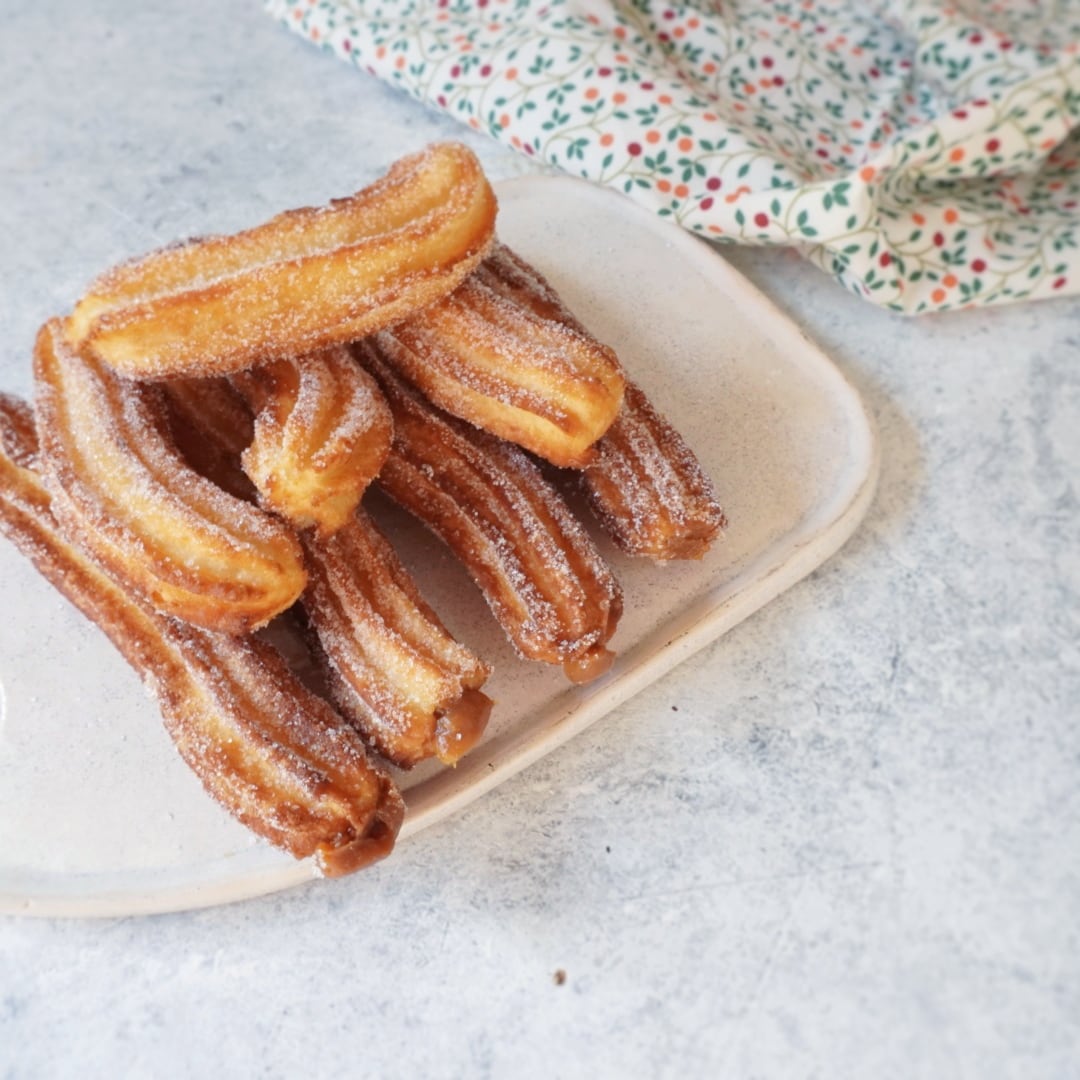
point(99, 816)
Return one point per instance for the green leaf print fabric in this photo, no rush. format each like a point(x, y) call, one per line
point(925, 153)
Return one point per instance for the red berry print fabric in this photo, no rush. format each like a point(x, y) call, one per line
point(925, 153)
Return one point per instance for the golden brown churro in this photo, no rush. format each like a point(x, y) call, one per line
point(322, 431)
point(391, 666)
point(276, 757)
point(648, 489)
point(540, 573)
point(124, 492)
point(306, 280)
point(503, 352)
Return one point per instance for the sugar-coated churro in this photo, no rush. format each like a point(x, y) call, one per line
point(305, 280)
point(503, 352)
point(648, 489)
point(322, 431)
point(390, 664)
point(125, 493)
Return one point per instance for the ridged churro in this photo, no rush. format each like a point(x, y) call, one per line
point(322, 431)
point(277, 757)
point(305, 280)
point(503, 352)
point(391, 667)
point(125, 494)
point(647, 488)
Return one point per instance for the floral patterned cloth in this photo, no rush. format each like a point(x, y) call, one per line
point(925, 152)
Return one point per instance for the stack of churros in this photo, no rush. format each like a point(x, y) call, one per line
point(205, 425)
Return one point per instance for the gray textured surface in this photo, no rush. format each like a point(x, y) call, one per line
point(843, 841)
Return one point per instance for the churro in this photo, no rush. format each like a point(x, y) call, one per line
point(390, 665)
point(305, 280)
point(647, 488)
point(126, 495)
point(322, 431)
point(503, 352)
point(276, 756)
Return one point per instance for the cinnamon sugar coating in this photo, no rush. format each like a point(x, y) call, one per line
point(144, 403)
point(503, 352)
point(322, 432)
point(276, 756)
point(125, 494)
point(543, 578)
point(391, 666)
point(647, 488)
point(305, 280)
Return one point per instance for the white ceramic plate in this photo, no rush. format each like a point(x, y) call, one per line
point(98, 815)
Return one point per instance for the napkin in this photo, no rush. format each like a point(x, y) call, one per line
point(925, 153)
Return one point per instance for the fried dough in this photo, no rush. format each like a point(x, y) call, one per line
point(126, 495)
point(305, 280)
point(504, 353)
